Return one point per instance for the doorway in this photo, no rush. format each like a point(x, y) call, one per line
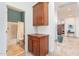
point(15, 32)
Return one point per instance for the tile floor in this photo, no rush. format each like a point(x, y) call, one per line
point(69, 47)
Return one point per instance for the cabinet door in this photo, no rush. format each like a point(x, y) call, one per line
point(35, 13)
point(40, 13)
point(43, 46)
point(45, 21)
point(36, 47)
point(30, 45)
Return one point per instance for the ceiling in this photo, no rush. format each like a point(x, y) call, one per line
point(65, 10)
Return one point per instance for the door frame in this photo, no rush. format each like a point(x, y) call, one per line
point(19, 10)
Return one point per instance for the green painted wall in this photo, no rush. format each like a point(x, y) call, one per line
point(22, 16)
point(15, 16)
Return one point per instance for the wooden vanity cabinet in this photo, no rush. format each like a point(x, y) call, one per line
point(40, 14)
point(38, 45)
